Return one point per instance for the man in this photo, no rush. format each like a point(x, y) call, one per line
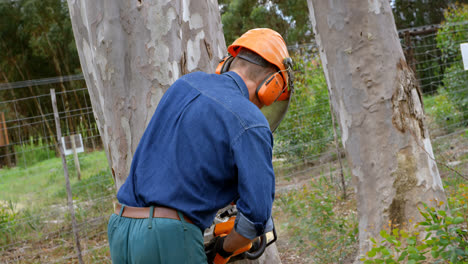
point(207, 145)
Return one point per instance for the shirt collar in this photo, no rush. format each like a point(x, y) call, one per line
point(240, 83)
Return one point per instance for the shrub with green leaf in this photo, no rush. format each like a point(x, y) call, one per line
point(453, 32)
point(443, 111)
point(315, 227)
point(7, 219)
point(446, 239)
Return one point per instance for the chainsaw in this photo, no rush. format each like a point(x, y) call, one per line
point(222, 226)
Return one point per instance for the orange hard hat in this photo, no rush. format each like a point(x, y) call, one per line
point(268, 44)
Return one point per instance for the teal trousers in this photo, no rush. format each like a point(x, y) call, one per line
point(154, 240)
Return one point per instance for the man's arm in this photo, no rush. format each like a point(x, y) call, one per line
point(252, 152)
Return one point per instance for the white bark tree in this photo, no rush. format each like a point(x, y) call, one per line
point(379, 105)
point(130, 53)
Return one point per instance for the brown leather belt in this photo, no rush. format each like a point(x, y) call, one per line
point(144, 212)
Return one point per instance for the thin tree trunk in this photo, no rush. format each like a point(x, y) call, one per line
point(376, 98)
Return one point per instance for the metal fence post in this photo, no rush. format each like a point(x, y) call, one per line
point(67, 179)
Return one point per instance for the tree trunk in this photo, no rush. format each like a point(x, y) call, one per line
point(378, 103)
point(131, 52)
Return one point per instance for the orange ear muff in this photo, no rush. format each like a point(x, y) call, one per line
point(271, 88)
point(224, 65)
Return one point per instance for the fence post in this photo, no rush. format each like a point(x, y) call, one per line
point(409, 52)
point(67, 179)
point(338, 152)
point(4, 141)
point(75, 156)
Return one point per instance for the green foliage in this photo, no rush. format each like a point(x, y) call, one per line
point(419, 50)
point(417, 13)
point(296, 13)
point(316, 229)
point(449, 37)
point(33, 152)
point(446, 238)
point(453, 32)
point(40, 188)
point(22, 184)
point(7, 219)
point(455, 83)
point(403, 247)
point(443, 111)
point(306, 130)
point(288, 17)
point(36, 41)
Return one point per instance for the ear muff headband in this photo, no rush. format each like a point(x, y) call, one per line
point(224, 65)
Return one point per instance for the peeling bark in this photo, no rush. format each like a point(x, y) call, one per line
point(408, 112)
point(376, 98)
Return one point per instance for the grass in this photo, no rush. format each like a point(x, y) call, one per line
point(41, 182)
point(34, 219)
point(317, 223)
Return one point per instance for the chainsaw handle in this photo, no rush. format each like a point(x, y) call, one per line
point(257, 252)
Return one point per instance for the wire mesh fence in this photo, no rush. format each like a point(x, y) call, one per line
point(34, 221)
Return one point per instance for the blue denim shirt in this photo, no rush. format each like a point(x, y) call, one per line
point(206, 146)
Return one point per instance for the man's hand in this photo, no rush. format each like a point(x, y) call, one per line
point(215, 252)
point(220, 249)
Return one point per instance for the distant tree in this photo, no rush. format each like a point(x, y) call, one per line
point(416, 13)
point(297, 15)
point(36, 41)
point(288, 17)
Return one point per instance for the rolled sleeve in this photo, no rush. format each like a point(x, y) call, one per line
point(252, 152)
point(249, 229)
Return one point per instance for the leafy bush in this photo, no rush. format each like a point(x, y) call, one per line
point(315, 227)
point(449, 37)
point(33, 152)
point(7, 219)
point(446, 240)
point(443, 111)
point(306, 130)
